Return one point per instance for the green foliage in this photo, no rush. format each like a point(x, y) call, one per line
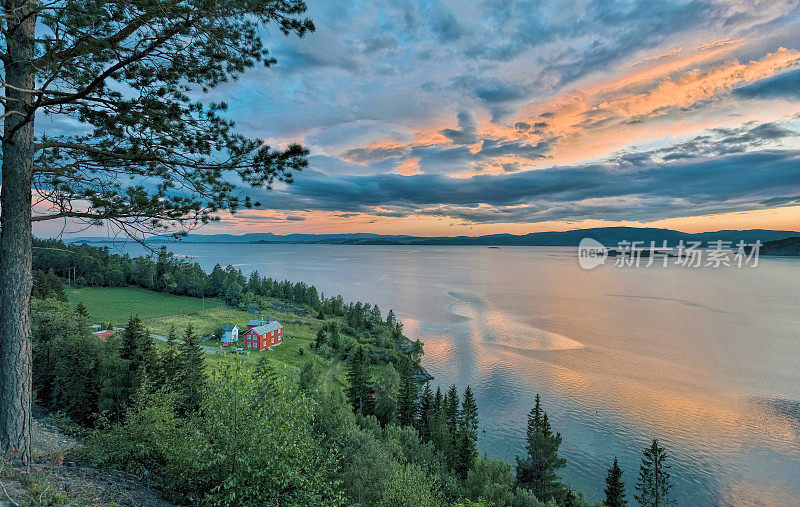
point(47, 285)
point(408, 486)
point(190, 377)
point(653, 484)
point(615, 487)
point(537, 471)
point(359, 391)
point(386, 395)
point(253, 443)
point(407, 409)
point(466, 452)
point(307, 382)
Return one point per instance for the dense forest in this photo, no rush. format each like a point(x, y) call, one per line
point(235, 434)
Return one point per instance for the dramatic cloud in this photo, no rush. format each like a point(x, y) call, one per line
point(628, 187)
point(523, 111)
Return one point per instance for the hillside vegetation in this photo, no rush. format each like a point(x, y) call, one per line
point(336, 415)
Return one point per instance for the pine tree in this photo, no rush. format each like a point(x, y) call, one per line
point(360, 390)
point(81, 310)
point(191, 378)
point(451, 409)
point(138, 353)
point(537, 471)
point(615, 487)
point(425, 412)
point(308, 378)
point(653, 483)
point(466, 452)
point(439, 433)
point(534, 417)
point(407, 408)
point(469, 413)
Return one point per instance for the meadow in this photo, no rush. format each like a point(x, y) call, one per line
point(115, 305)
point(160, 312)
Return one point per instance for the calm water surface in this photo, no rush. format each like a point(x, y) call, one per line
point(707, 360)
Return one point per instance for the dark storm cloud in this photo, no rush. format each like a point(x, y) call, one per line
point(724, 141)
point(645, 192)
point(498, 148)
point(786, 85)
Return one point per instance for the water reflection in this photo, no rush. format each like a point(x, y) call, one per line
point(706, 360)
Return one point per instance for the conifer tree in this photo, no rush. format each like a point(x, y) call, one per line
point(439, 433)
point(386, 396)
point(308, 378)
point(407, 408)
point(537, 471)
point(138, 354)
point(469, 413)
point(145, 153)
point(653, 484)
point(425, 412)
point(438, 399)
point(615, 487)
point(81, 310)
point(451, 409)
point(535, 416)
point(191, 378)
point(466, 452)
point(360, 390)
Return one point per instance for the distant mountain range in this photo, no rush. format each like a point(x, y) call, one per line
point(608, 236)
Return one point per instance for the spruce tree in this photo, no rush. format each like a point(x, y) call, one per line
point(451, 409)
point(466, 452)
point(425, 412)
point(360, 390)
point(653, 484)
point(534, 417)
point(407, 408)
point(469, 413)
point(191, 378)
point(144, 152)
point(81, 310)
point(439, 433)
point(615, 487)
point(137, 354)
point(308, 378)
point(537, 470)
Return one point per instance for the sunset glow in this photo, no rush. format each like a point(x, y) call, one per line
point(429, 121)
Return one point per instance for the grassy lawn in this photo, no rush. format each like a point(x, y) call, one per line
point(161, 311)
point(115, 305)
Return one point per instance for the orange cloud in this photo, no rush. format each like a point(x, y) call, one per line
point(409, 167)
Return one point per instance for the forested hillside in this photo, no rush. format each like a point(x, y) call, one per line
point(209, 429)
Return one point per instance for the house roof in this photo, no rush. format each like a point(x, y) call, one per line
point(254, 322)
point(268, 327)
point(228, 327)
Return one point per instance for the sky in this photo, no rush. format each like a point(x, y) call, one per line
point(486, 116)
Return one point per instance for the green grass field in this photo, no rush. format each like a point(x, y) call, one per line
point(160, 311)
point(115, 305)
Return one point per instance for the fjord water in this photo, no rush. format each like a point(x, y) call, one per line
point(706, 360)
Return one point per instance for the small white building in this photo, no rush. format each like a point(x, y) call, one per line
point(230, 334)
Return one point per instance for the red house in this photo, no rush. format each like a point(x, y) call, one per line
point(263, 334)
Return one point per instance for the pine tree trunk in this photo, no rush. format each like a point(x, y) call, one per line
point(15, 235)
